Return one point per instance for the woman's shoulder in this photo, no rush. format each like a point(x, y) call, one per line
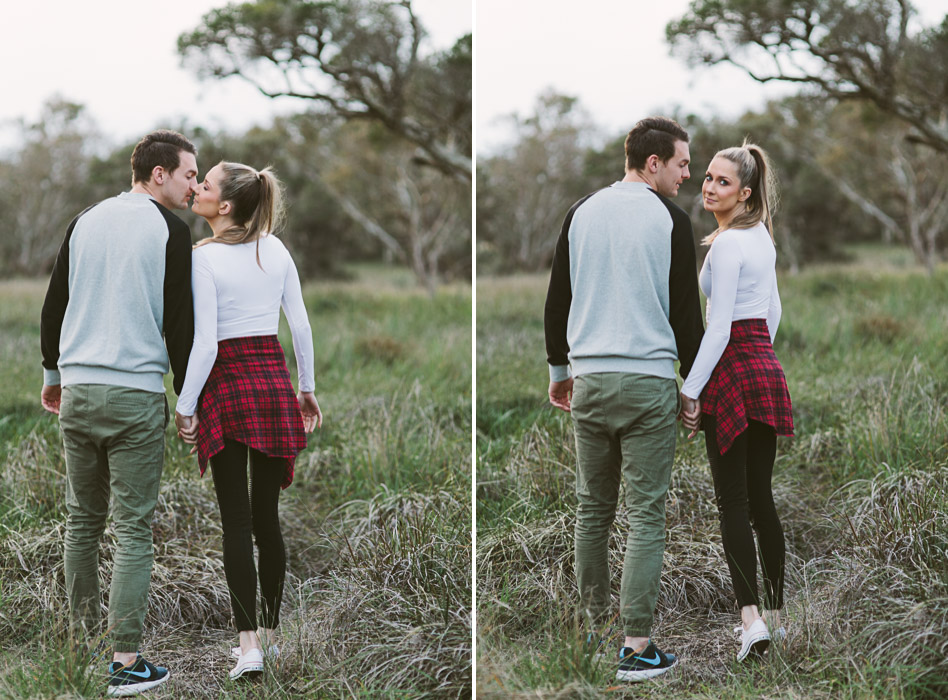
point(272, 242)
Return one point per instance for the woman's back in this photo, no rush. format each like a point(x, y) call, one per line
point(248, 297)
point(235, 298)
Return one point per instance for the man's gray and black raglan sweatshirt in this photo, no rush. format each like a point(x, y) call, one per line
point(118, 307)
point(623, 293)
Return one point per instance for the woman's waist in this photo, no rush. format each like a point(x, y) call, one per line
point(750, 329)
point(257, 348)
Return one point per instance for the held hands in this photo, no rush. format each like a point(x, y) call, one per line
point(187, 428)
point(51, 397)
point(561, 393)
point(690, 414)
point(309, 407)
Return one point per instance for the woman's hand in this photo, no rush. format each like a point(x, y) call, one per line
point(187, 427)
point(690, 414)
point(309, 407)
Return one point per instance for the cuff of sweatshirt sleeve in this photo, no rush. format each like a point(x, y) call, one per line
point(51, 377)
point(559, 373)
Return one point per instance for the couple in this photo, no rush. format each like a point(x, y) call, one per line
point(622, 306)
point(127, 296)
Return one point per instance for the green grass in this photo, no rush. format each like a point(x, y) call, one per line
point(862, 491)
point(377, 523)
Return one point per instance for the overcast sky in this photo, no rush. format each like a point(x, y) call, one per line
point(119, 58)
point(612, 54)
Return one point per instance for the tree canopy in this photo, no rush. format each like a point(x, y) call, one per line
point(361, 59)
point(844, 48)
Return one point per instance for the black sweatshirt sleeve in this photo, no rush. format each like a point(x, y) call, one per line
point(559, 296)
point(57, 298)
point(178, 307)
point(684, 302)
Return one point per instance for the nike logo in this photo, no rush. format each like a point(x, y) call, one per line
point(655, 662)
point(141, 674)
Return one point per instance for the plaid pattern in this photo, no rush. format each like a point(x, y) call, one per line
point(748, 382)
point(248, 397)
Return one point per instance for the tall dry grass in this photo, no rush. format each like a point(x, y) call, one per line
point(860, 490)
point(377, 523)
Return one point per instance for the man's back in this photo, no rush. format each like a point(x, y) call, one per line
point(624, 277)
point(122, 279)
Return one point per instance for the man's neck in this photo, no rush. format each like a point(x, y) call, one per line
point(143, 188)
point(638, 176)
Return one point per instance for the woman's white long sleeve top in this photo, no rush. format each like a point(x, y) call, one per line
point(235, 298)
point(739, 278)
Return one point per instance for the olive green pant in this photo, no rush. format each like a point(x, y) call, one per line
point(625, 430)
point(115, 444)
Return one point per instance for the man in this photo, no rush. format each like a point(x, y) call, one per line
point(119, 291)
point(622, 306)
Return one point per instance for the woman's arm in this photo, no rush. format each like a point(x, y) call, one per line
point(298, 320)
point(774, 312)
point(726, 261)
point(204, 350)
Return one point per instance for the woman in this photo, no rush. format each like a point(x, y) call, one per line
point(744, 399)
point(238, 383)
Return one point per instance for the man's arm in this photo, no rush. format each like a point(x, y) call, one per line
point(684, 313)
point(559, 297)
point(178, 308)
point(54, 310)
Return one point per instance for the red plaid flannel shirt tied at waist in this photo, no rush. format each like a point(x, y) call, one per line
point(747, 383)
point(248, 397)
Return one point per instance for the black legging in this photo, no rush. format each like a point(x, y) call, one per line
point(744, 498)
point(248, 515)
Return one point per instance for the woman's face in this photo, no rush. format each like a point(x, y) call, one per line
point(207, 196)
point(722, 192)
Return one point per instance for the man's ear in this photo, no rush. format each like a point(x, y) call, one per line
point(652, 163)
point(158, 175)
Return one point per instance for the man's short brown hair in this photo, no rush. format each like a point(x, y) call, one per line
point(162, 148)
point(652, 136)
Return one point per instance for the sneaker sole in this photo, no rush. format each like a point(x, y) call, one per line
point(247, 671)
point(756, 649)
point(130, 689)
point(644, 674)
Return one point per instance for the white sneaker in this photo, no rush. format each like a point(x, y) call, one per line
point(754, 641)
point(273, 652)
point(249, 664)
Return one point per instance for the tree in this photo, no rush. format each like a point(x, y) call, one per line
point(869, 159)
point(420, 218)
point(846, 49)
point(525, 191)
point(44, 185)
point(359, 58)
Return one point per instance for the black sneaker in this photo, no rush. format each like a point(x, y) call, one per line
point(648, 663)
point(134, 678)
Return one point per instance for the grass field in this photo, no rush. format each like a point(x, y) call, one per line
point(377, 523)
point(862, 491)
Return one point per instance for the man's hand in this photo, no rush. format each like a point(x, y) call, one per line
point(51, 397)
point(309, 407)
point(690, 414)
point(561, 393)
point(187, 427)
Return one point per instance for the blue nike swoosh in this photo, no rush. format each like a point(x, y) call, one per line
point(140, 674)
point(655, 662)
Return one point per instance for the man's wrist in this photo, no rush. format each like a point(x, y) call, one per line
point(559, 373)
